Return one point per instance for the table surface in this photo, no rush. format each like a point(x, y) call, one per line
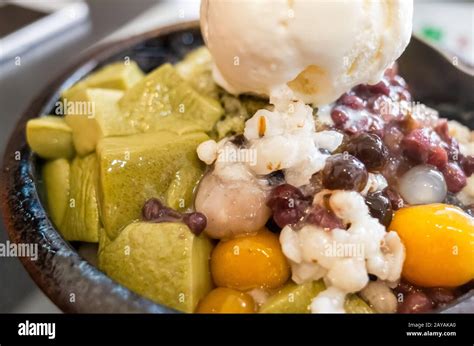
point(112, 19)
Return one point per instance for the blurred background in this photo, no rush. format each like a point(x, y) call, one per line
point(29, 62)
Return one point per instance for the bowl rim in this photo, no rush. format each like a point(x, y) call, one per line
point(52, 244)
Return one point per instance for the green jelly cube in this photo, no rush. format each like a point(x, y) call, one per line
point(164, 262)
point(134, 168)
point(50, 137)
point(120, 76)
point(164, 94)
point(81, 219)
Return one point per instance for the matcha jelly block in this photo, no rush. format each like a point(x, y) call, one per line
point(104, 119)
point(56, 176)
point(121, 75)
point(179, 195)
point(134, 168)
point(160, 101)
point(296, 299)
point(95, 114)
point(164, 262)
point(81, 217)
point(50, 137)
point(196, 69)
point(164, 94)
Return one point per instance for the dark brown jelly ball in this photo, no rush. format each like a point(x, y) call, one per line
point(344, 172)
point(369, 149)
point(380, 207)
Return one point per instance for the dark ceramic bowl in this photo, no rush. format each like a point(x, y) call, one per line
point(59, 270)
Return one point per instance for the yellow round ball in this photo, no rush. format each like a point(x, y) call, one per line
point(226, 301)
point(439, 242)
point(252, 261)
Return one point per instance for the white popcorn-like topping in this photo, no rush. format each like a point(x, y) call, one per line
point(207, 151)
point(329, 140)
point(282, 139)
point(230, 162)
point(285, 139)
point(343, 258)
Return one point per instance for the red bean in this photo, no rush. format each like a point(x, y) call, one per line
point(288, 204)
point(339, 117)
point(417, 144)
point(381, 87)
point(286, 192)
point(288, 216)
point(415, 302)
point(380, 104)
point(151, 209)
point(442, 130)
point(454, 176)
point(468, 165)
point(437, 157)
point(324, 218)
point(195, 221)
point(440, 295)
point(352, 101)
point(154, 211)
point(405, 288)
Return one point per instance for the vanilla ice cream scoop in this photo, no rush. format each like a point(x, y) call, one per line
point(319, 48)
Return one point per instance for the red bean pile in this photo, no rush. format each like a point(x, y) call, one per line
point(380, 139)
point(413, 299)
point(392, 139)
